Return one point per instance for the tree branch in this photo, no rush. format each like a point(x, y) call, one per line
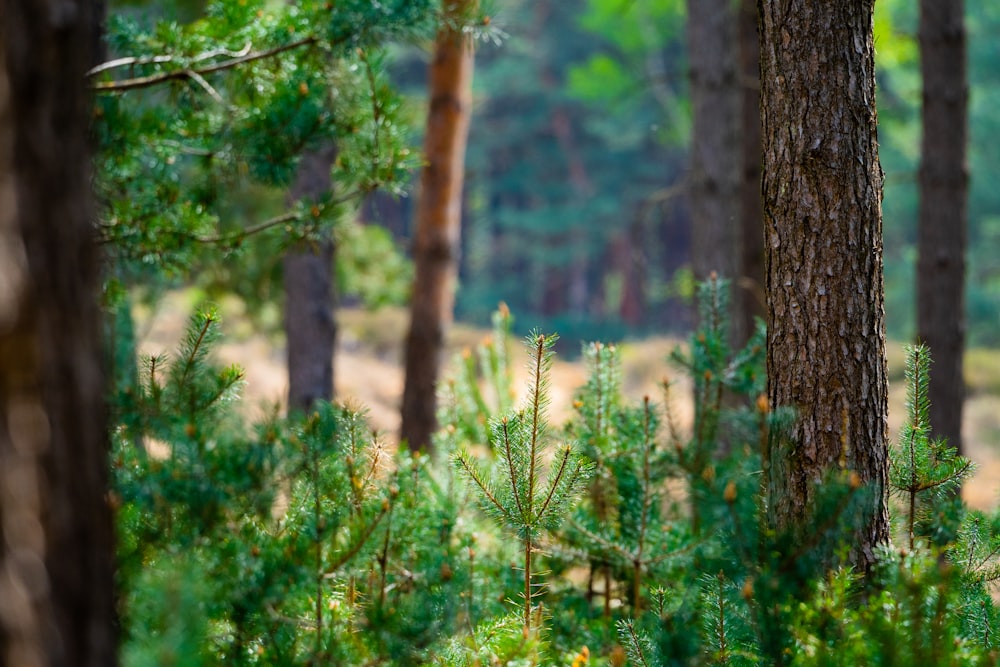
point(289, 216)
point(131, 61)
point(187, 72)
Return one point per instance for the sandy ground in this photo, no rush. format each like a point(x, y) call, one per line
point(369, 373)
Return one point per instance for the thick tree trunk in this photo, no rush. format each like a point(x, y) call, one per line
point(822, 188)
point(944, 183)
point(752, 300)
point(716, 157)
point(310, 322)
point(56, 544)
point(436, 242)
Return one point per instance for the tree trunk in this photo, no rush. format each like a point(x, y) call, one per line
point(438, 224)
point(716, 158)
point(752, 299)
point(56, 544)
point(310, 323)
point(944, 183)
point(822, 187)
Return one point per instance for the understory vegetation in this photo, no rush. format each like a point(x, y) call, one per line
point(616, 538)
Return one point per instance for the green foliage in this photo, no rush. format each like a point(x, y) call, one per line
point(304, 541)
point(915, 615)
point(638, 647)
point(280, 534)
point(919, 465)
point(516, 496)
point(193, 119)
point(370, 266)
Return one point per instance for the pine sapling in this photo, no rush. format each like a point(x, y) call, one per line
point(516, 495)
point(616, 525)
point(919, 464)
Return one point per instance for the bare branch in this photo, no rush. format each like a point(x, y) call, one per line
point(212, 92)
point(131, 61)
point(191, 73)
point(128, 61)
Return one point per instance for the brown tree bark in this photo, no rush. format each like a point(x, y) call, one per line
point(310, 295)
point(716, 158)
point(438, 223)
point(56, 543)
point(822, 187)
point(752, 300)
point(944, 186)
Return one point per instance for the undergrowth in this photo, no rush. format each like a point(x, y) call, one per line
point(617, 538)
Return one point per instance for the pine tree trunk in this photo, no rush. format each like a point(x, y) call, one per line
point(716, 158)
point(56, 546)
point(822, 188)
point(436, 243)
point(944, 183)
point(752, 299)
point(310, 322)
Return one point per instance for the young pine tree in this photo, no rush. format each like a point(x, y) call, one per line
point(526, 492)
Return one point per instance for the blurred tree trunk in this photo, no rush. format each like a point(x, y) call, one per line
point(944, 184)
point(822, 187)
point(627, 258)
point(752, 299)
point(56, 544)
point(438, 229)
point(310, 322)
point(716, 151)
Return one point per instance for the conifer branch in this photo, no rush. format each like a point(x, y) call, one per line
point(567, 452)
point(475, 476)
point(226, 386)
point(353, 550)
point(288, 216)
point(194, 352)
point(536, 407)
point(509, 456)
point(636, 646)
point(620, 549)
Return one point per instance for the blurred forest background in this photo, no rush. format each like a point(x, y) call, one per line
point(576, 208)
point(575, 211)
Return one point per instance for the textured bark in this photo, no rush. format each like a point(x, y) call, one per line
point(752, 299)
point(822, 187)
point(56, 544)
point(944, 185)
point(310, 324)
point(715, 172)
point(438, 225)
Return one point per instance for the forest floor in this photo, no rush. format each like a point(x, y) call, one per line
point(368, 371)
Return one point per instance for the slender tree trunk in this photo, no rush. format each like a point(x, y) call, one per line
point(944, 184)
point(438, 224)
point(822, 187)
point(626, 257)
point(752, 300)
point(715, 171)
point(56, 543)
point(310, 322)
